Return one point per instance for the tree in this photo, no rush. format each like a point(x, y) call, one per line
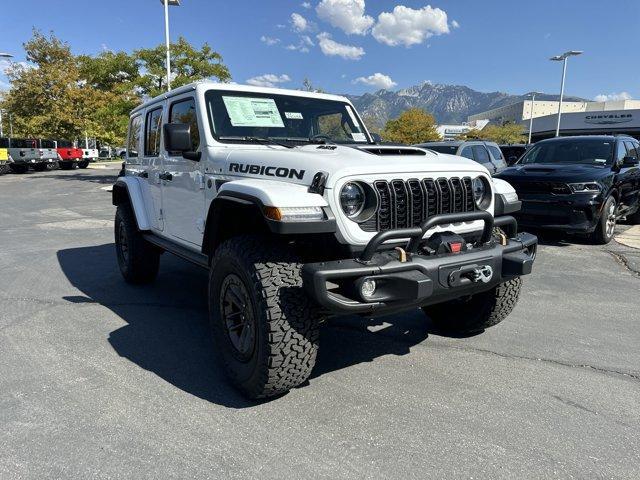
point(507, 133)
point(46, 97)
point(412, 126)
point(187, 65)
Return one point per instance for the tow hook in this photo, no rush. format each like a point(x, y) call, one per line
point(471, 274)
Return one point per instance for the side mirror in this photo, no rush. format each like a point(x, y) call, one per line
point(376, 137)
point(177, 138)
point(630, 162)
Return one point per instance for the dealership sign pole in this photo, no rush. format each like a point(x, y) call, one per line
point(563, 58)
point(166, 3)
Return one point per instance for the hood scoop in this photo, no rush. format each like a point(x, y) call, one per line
point(391, 150)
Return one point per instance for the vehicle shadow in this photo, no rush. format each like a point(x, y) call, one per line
point(75, 175)
point(167, 331)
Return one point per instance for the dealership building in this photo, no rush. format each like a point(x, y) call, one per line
point(578, 118)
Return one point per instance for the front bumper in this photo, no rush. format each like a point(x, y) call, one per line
point(578, 213)
point(34, 161)
point(419, 279)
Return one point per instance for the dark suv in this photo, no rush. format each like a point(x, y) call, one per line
point(487, 154)
point(578, 184)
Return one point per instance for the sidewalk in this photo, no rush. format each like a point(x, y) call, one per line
point(630, 238)
point(101, 165)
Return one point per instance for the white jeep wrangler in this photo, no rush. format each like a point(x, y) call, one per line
point(299, 214)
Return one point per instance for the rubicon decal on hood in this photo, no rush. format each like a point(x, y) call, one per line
point(281, 172)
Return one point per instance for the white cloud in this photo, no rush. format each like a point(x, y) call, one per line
point(455, 24)
point(268, 80)
point(269, 40)
point(377, 80)
point(332, 48)
point(406, 26)
point(611, 97)
point(302, 46)
point(299, 23)
point(347, 15)
point(305, 5)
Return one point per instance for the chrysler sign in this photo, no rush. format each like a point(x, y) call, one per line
point(608, 118)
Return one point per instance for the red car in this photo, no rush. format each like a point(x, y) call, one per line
point(70, 156)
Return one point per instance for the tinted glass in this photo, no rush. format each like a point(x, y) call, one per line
point(450, 149)
point(152, 137)
point(4, 143)
point(481, 155)
point(47, 144)
point(631, 150)
point(184, 111)
point(585, 151)
point(621, 152)
point(467, 152)
point(234, 116)
point(65, 144)
point(133, 141)
point(498, 159)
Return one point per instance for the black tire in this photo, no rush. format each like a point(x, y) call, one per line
point(66, 165)
point(21, 168)
point(40, 167)
point(52, 166)
point(138, 260)
point(4, 168)
point(279, 320)
point(604, 231)
point(478, 312)
point(83, 164)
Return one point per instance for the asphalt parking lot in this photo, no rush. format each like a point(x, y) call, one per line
point(99, 379)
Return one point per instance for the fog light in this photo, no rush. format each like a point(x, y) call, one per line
point(368, 288)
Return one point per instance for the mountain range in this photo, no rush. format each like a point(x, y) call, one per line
point(447, 103)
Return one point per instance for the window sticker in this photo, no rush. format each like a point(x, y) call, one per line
point(293, 115)
point(359, 137)
point(253, 112)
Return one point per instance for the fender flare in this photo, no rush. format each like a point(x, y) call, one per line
point(128, 189)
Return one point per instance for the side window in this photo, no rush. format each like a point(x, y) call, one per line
point(153, 127)
point(621, 152)
point(481, 155)
point(133, 141)
point(184, 111)
point(467, 152)
point(631, 150)
point(498, 158)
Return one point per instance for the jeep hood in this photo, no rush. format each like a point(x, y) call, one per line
point(300, 164)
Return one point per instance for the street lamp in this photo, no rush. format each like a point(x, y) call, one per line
point(167, 3)
point(533, 103)
point(563, 58)
point(5, 55)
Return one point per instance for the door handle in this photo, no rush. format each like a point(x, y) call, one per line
point(165, 176)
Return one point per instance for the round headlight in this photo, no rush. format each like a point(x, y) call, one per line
point(352, 199)
point(480, 192)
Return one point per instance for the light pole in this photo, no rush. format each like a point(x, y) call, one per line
point(9, 56)
point(533, 103)
point(563, 58)
point(167, 3)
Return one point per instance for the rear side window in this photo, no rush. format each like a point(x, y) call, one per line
point(47, 144)
point(621, 152)
point(481, 155)
point(632, 150)
point(497, 156)
point(152, 133)
point(133, 141)
point(467, 152)
point(184, 111)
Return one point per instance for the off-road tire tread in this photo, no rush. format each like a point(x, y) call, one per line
point(289, 316)
point(144, 258)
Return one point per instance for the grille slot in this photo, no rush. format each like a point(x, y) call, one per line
point(404, 204)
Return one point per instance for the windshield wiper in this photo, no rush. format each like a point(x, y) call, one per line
point(258, 140)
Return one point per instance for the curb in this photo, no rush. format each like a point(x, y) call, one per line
point(630, 237)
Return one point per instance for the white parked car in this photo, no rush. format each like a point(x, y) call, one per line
point(299, 215)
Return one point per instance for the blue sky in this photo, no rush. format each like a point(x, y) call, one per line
point(354, 46)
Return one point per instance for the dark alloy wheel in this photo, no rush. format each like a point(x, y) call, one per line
point(237, 316)
point(606, 226)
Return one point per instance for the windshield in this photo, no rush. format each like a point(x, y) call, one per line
point(249, 116)
point(451, 149)
point(591, 152)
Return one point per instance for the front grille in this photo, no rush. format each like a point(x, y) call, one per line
point(408, 203)
point(554, 188)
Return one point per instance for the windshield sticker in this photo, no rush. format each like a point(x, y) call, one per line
point(359, 137)
point(253, 112)
point(293, 115)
